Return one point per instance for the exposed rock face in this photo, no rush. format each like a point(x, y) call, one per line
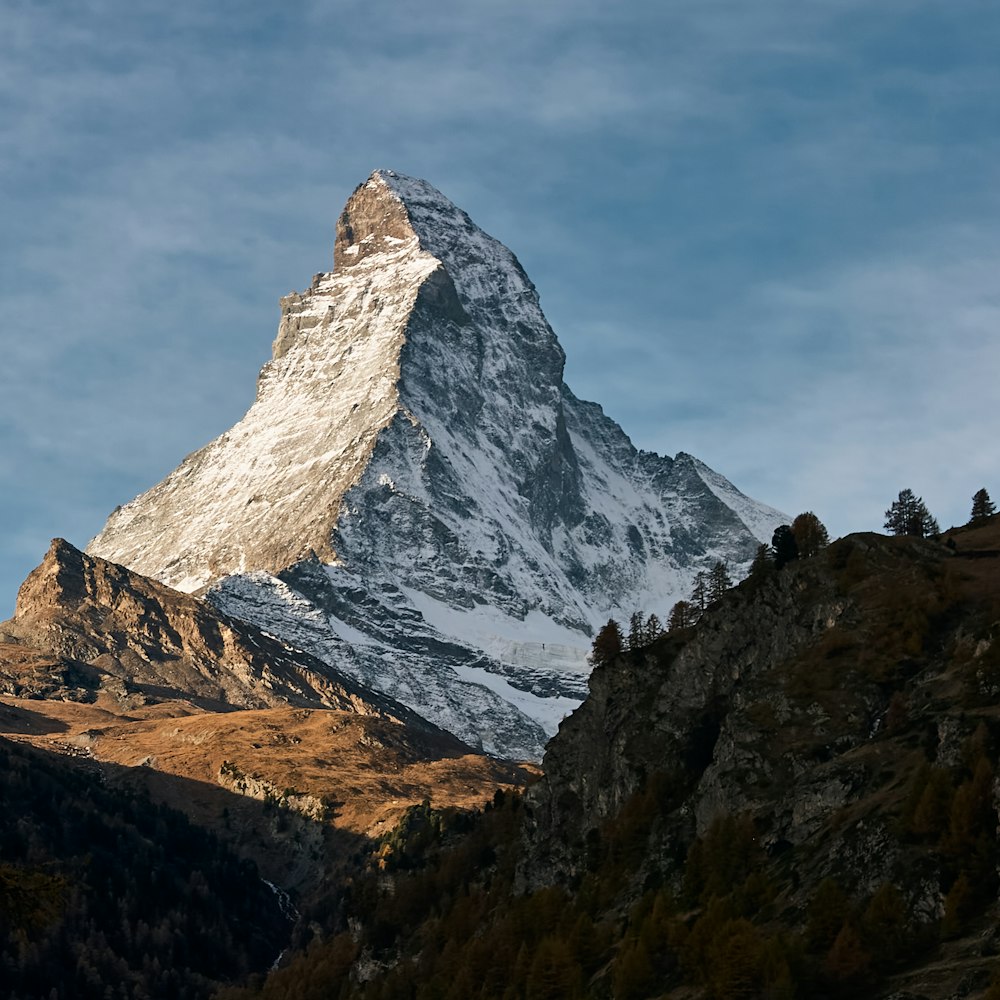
point(681, 709)
point(82, 623)
point(26, 672)
point(809, 702)
point(417, 496)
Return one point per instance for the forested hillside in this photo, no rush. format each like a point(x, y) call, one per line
point(104, 894)
point(794, 798)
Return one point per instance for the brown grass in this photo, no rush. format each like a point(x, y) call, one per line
point(354, 775)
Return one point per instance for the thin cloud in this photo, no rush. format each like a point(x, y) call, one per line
point(896, 389)
point(753, 226)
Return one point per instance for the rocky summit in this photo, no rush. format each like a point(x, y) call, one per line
point(417, 498)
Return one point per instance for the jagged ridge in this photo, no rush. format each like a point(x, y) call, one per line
point(85, 623)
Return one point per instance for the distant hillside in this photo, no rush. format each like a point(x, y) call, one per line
point(295, 765)
point(84, 627)
point(795, 798)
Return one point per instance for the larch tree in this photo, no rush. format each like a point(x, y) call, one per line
point(682, 615)
point(810, 534)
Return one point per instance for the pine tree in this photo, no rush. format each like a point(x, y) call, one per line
point(608, 644)
point(699, 592)
point(810, 534)
point(653, 629)
point(982, 507)
point(636, 629)
point(785, 547)
point(909, 515)
point(762, 565)
point(719, 581)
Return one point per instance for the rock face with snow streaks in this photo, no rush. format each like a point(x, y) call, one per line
point(418, 498)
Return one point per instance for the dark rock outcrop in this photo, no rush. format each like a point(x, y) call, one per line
point(808, 701)
point(82, 623)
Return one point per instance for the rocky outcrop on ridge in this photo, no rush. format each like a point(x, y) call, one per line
point(818, 702)
point(82, 623)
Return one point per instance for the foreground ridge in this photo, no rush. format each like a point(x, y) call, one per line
point(796, 797)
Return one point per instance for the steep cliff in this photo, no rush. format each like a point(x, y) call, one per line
point(840, 717)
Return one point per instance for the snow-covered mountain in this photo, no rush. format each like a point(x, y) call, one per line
point(418, 498)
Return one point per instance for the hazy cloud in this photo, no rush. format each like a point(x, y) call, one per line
point(765, 233)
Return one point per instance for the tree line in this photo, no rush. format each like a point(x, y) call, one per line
point(106, 894)
point(908, 514)
point(805, 537)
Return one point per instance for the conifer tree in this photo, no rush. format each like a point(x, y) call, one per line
point(785, 547)
point(909, 515)
point(982, 507)
point(699, 593)
point(653, 629)
point(719, 581)
point(847, 961)
point(608, 644)
point(762, 565)
point(636, 631)
point(810, 534)
point(884, 925)
point(682, 615)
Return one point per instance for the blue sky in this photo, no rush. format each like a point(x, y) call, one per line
point(766, 234)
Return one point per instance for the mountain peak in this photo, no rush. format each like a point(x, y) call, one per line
point(374, 220)
point(415, 484)
point(413, 192)
point(391, 212)
point(58, 579)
